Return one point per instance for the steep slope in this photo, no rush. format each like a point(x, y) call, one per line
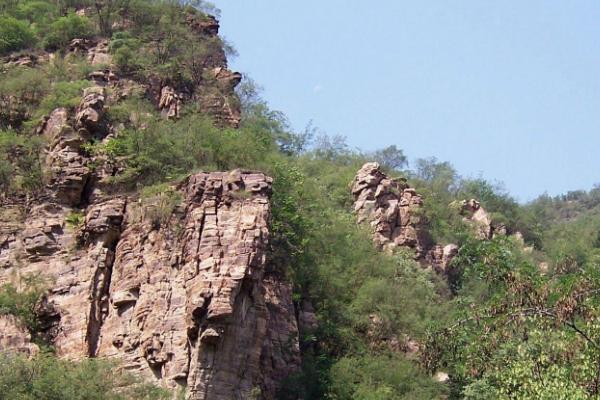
point(175, 288)
point(189, 303)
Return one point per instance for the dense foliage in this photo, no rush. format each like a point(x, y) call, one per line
point(519, 333)
point(44, 377)
point(506, 329)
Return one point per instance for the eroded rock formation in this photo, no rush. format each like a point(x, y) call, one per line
point(392, 208)
point(14, 337)
point(394, 212)
point(477, 218)
point(181, 295)
point(187, 303)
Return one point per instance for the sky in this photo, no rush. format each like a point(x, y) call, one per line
point(507, 90)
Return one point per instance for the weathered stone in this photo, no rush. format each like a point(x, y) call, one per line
point(68, 170)
point(188, 303)
point(14, 337)
point(169, 103)
point(439, 257)
point(99, 54)
point(91, 108)
point(478, 218)
point(392, 209)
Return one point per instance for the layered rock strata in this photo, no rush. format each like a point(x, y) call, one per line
point(188, 304)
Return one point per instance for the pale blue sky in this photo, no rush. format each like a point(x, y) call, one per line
point(508, 89)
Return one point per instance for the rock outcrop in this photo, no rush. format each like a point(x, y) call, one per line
point(393, 210)
point(439, 257)
point(169, 103)
point(478, 218)
point(14, 337)
point(187, 303)
point(180, 293)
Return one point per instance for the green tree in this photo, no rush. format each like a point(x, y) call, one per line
point(14, 34)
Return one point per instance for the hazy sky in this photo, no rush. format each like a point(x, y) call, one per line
point(508, 89)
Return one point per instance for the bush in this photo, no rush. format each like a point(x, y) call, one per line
point(383, 377)
point(14, 35)
point(45, 377)
point(65, 29)
point(20, 92)
point(22, 303)
point(20, 163)
point(126, 52)
point(63, 94)
point(167, 149)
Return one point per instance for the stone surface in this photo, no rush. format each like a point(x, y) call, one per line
point(14, 337)
point(394, 212)
point(478, 218)
point(392, 209)
point(91, 108)
point(169, 103)
point(186, 303)
point(439, 257)
point(64, 160)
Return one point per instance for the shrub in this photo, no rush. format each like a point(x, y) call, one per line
point(14, 34)
point(75, 219)
point(63, 94)
point(20, 92)
point(65, 29)
point(158, 203)
point(126, 52)
point(22, 303)
point(20, 164)
point(383, 377)
point(45, 377)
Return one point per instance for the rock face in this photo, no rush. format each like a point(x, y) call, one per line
point(394, 211)
point(14, 337)
point(392, 208)
point(439, 257)
point(182, 293)
point(169, 103)
point(187, 303)
point(478, 218)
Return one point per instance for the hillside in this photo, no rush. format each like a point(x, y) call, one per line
point(165, 234)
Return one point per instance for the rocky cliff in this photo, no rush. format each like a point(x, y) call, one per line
point(186, 302)
point(176, 288)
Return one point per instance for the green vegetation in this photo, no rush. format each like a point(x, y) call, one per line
point(14, 34)
point(504, 330)
point(22, 303)
point(20, 164)
point(518, 333)
point(44, 377)
point(75, 219)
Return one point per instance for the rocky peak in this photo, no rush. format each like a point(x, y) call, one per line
point(476, 216)
point(394, 212)
point(392, 208)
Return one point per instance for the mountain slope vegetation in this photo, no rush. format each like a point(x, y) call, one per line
point(519, 320)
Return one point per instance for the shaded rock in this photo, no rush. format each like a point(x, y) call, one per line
point(203, 24)
point(439, 257)
point(21, 60)
point(226, 79)
point(99, 54)
point(68, 171)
